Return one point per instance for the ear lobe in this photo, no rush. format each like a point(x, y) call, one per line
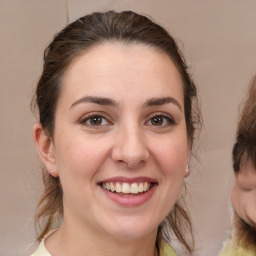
point(187, 168)
point(45, 148)
point(187, 171)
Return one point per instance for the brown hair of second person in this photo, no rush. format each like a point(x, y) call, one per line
point(244, 150)
point(246, 131)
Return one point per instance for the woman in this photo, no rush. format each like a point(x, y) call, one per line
point(117, 112)
point(243, 195)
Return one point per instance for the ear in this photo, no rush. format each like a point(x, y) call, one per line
point(45, 148)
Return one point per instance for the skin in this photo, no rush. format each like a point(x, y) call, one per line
point(127, 143)
point(243, 195)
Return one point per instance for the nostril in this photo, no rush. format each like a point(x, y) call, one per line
point(130, 150)
point(122, 162)
point(130, 162)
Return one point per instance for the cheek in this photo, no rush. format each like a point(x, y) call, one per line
point(172, 156)
point(172, 159)
point(79, 157)
point(235, 200)
point(244, 204)
point(250, 207)
point(78, 162)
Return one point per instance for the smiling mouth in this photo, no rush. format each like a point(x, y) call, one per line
point(127, 189)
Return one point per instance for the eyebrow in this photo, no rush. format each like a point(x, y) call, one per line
point(162, 101)
point(96, 100)
point(109, 102)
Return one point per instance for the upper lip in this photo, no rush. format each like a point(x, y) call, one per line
point(129, 180)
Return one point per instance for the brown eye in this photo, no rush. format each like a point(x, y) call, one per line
point(161, 121)
point(95, 120)
point(157, 120)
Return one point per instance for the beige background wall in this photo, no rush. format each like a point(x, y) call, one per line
point(219, 39)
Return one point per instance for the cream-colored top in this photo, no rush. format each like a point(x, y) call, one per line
point(41, 250)
point(166, 250)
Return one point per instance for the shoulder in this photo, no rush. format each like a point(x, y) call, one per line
point(41, 250)
point(167, 250)
point(231, 248)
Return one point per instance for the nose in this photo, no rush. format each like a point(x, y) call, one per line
point(130, 147)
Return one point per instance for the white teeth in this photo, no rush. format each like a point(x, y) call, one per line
point(141, 187)
point(118, 187)
point(126, 188)
point(134, 188)
point(112, 187)
point(145, 187)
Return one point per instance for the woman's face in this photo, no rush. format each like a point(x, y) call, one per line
point(243, 195)
point(120, 142)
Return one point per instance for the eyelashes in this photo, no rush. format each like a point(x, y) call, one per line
point(161, 120)
point(98, 120)
point(95, 120)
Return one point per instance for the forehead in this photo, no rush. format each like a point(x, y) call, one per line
point(122, 67)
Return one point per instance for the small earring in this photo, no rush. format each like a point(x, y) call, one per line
point(51, 172)
point(187, 169)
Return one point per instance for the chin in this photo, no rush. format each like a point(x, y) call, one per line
point(131, 230)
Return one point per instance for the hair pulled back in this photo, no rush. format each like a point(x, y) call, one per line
point(77, 38)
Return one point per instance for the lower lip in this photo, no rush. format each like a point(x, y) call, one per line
point(130, 201)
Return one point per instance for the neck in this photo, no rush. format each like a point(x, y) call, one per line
point(76, 240)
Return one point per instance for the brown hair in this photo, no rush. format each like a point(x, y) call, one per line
point(246, 130)
point(245, 149)
point(67, 45)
